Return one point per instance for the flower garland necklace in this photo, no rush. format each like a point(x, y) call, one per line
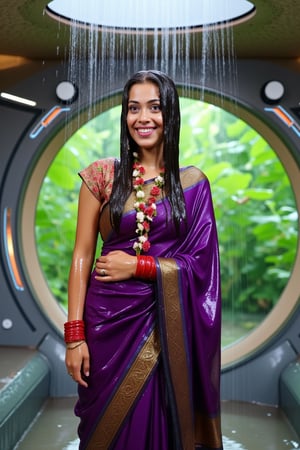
point(145, 209)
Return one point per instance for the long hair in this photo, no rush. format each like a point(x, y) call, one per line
point(122, 185)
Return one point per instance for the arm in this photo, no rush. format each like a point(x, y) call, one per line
point(77, 360)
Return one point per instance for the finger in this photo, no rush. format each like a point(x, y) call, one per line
point(102, 273)
point(104, 279)
point(86, 366)
point(78, 379)
point(98, 265)
point(118, 253)
point(77, 375)
point(101, 260)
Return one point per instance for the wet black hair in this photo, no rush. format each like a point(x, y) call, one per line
point(122, 186)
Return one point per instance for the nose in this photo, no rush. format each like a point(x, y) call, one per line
point(144, 115)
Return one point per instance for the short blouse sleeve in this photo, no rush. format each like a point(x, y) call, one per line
point(99, 177)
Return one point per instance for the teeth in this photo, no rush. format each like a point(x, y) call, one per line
point(145, 130)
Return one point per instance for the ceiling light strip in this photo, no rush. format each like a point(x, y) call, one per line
point(17, 99)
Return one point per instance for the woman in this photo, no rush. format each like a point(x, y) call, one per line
point(143, 330)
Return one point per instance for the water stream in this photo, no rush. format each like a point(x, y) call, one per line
point(96, 59)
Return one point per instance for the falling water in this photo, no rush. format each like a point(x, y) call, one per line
point(99, 60)
point(96, 59)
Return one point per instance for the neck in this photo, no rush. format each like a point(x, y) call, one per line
point(150, 159)
point(152, 163)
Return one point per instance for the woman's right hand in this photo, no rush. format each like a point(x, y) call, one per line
point(78, 363)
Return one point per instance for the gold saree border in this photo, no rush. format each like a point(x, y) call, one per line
point(208, 431)
point(126, 395)
point(199, 429)
point(176, 349)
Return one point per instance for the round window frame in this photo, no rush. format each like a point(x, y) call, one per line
point(233, 354)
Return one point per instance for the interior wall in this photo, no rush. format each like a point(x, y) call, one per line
point(20, 154)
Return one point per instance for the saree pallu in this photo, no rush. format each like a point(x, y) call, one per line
point(155, 346)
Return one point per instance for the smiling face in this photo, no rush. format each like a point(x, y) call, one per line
point(144, 117)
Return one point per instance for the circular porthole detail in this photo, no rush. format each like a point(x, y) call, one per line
point(66, 92)
point(273, 91)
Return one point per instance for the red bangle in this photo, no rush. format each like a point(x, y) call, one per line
point(145, 268)
point(74, 331)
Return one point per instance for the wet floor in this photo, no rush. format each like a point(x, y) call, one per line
point(255, 427)
point(245, 427)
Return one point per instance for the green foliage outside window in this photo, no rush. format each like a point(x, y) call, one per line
point(254, 204)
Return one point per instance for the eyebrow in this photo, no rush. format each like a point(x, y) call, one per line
point(149, 101)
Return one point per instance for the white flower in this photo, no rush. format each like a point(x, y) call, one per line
point(137, 245)
point(140, 216)
point(140, 194)
point(143, 239)
point(142, 229)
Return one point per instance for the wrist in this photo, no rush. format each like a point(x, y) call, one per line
point(73, 345)
point(145, 267)
point(74, 331)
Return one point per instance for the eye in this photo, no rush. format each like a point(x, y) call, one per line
point(156, 107)
point(133, 108)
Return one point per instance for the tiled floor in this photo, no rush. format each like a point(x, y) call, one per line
point(245, 427)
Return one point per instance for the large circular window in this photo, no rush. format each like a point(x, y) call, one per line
point(254, 205)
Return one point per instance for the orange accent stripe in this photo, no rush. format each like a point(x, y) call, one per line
point(51, 116)
point(281, 114)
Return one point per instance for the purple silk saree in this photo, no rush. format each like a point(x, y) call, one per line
point(155, 346)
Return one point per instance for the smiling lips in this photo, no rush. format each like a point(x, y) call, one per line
point(144, 131)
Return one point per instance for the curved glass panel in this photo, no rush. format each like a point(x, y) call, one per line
point(254, 206)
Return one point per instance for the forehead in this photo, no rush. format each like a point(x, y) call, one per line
point(143, 92)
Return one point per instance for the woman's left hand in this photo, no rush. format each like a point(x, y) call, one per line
point(115, 266)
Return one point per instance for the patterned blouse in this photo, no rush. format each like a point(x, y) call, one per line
point(99, 177)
